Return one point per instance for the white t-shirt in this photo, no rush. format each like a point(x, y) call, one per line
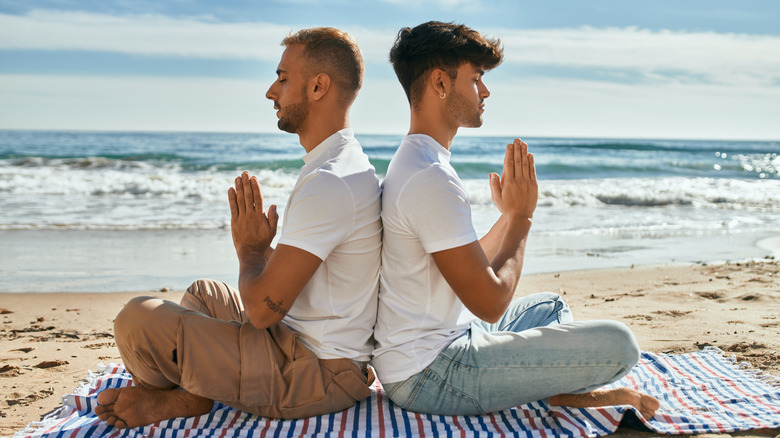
point(425, 209)
point(333, 213)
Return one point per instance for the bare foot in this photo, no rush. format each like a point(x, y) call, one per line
point(134, 406)
point(646, 404)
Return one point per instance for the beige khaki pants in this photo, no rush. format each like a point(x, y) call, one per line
point(207, 347)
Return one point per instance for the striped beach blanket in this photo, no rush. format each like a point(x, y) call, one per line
point(705, 391)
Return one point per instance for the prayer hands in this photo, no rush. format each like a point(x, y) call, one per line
point(253, 229)
point(516, 192)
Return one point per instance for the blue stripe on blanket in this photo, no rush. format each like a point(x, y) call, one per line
point(699, 392)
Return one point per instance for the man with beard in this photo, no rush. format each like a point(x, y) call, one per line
point(293, 341)
point(450, 338)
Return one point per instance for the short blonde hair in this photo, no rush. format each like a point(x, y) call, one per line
point(334, 52)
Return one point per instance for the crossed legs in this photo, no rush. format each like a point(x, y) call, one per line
point(535, 352)
point(146, 332)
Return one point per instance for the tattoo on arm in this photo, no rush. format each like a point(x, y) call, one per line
point(275, 307)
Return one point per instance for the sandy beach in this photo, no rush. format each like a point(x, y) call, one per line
point(48, 341)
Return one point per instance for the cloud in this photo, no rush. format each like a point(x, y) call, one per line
point(650, 55)
point(684, 84)
point(444, 4)
point(717, 57)
point(156, 35)
point(152, 35)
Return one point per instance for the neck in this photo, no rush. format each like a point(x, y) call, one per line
point(432, 122)
point(317, 129)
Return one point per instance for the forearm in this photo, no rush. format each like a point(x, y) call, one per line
point(486, 287)
point(507, 263)
point(269, 288)
point(262, 310)
point(491, 241)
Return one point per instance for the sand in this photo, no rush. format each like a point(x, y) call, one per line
point(48, 341)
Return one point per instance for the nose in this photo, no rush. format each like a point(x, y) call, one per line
point(484, 93)
point(270, 94)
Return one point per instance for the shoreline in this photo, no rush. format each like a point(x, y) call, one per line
point(106, 261)
point(50, 340)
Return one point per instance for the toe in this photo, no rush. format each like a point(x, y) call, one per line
point(107, 396)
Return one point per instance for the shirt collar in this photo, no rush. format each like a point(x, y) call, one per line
point(428, 144)
point(338, 138)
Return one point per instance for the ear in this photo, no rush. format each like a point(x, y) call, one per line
point(439, 82)
point(319, 86)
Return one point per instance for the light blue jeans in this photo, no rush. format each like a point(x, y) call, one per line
point(535, 351)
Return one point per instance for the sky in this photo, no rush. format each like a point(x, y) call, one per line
point(694, 69)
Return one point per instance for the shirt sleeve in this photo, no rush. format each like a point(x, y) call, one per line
point(437, 208)
point(319, 216)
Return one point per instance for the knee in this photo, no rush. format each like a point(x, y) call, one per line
point(205, 289)
point(134, 317)
point(620, 343)
point(204, 286)
point(200, 286)
point(560, 307)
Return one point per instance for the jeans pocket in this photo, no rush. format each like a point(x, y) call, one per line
point(434, 395)
point(401, 392)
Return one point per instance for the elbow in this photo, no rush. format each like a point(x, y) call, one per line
point(490, 305)
point(262, 317)
point(491, 313)
point(254, 318)
point(490, 317)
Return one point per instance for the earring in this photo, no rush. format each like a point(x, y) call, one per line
point(443, 95)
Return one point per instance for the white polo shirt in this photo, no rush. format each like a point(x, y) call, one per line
point(425, 209)
point(333, 213)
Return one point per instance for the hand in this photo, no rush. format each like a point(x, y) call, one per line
point(516, 192)
point(253, 229)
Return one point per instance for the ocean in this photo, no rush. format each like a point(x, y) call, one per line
point(602, 202)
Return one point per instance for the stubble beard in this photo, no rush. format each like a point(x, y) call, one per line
point(463, 111)
point(292, 117)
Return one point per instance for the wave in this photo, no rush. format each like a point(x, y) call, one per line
point(700, 193)
point(113, 200)
point(179, 180)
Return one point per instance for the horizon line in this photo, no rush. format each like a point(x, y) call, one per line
point(582, 137)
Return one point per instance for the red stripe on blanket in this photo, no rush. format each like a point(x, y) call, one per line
point(194, 426)
point(60, 423)
point(688, 377)
point(562, 417)
point(265, 429)
point(737, 389)
point(673, 393)
point(420, 428)
point(457, 424)
point(380, 411)
point(305, 427)
point(232, 422)
point(343, 423)
point(533, 424)
point(495, 424)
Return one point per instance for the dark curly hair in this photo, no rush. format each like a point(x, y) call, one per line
point(436, 44)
